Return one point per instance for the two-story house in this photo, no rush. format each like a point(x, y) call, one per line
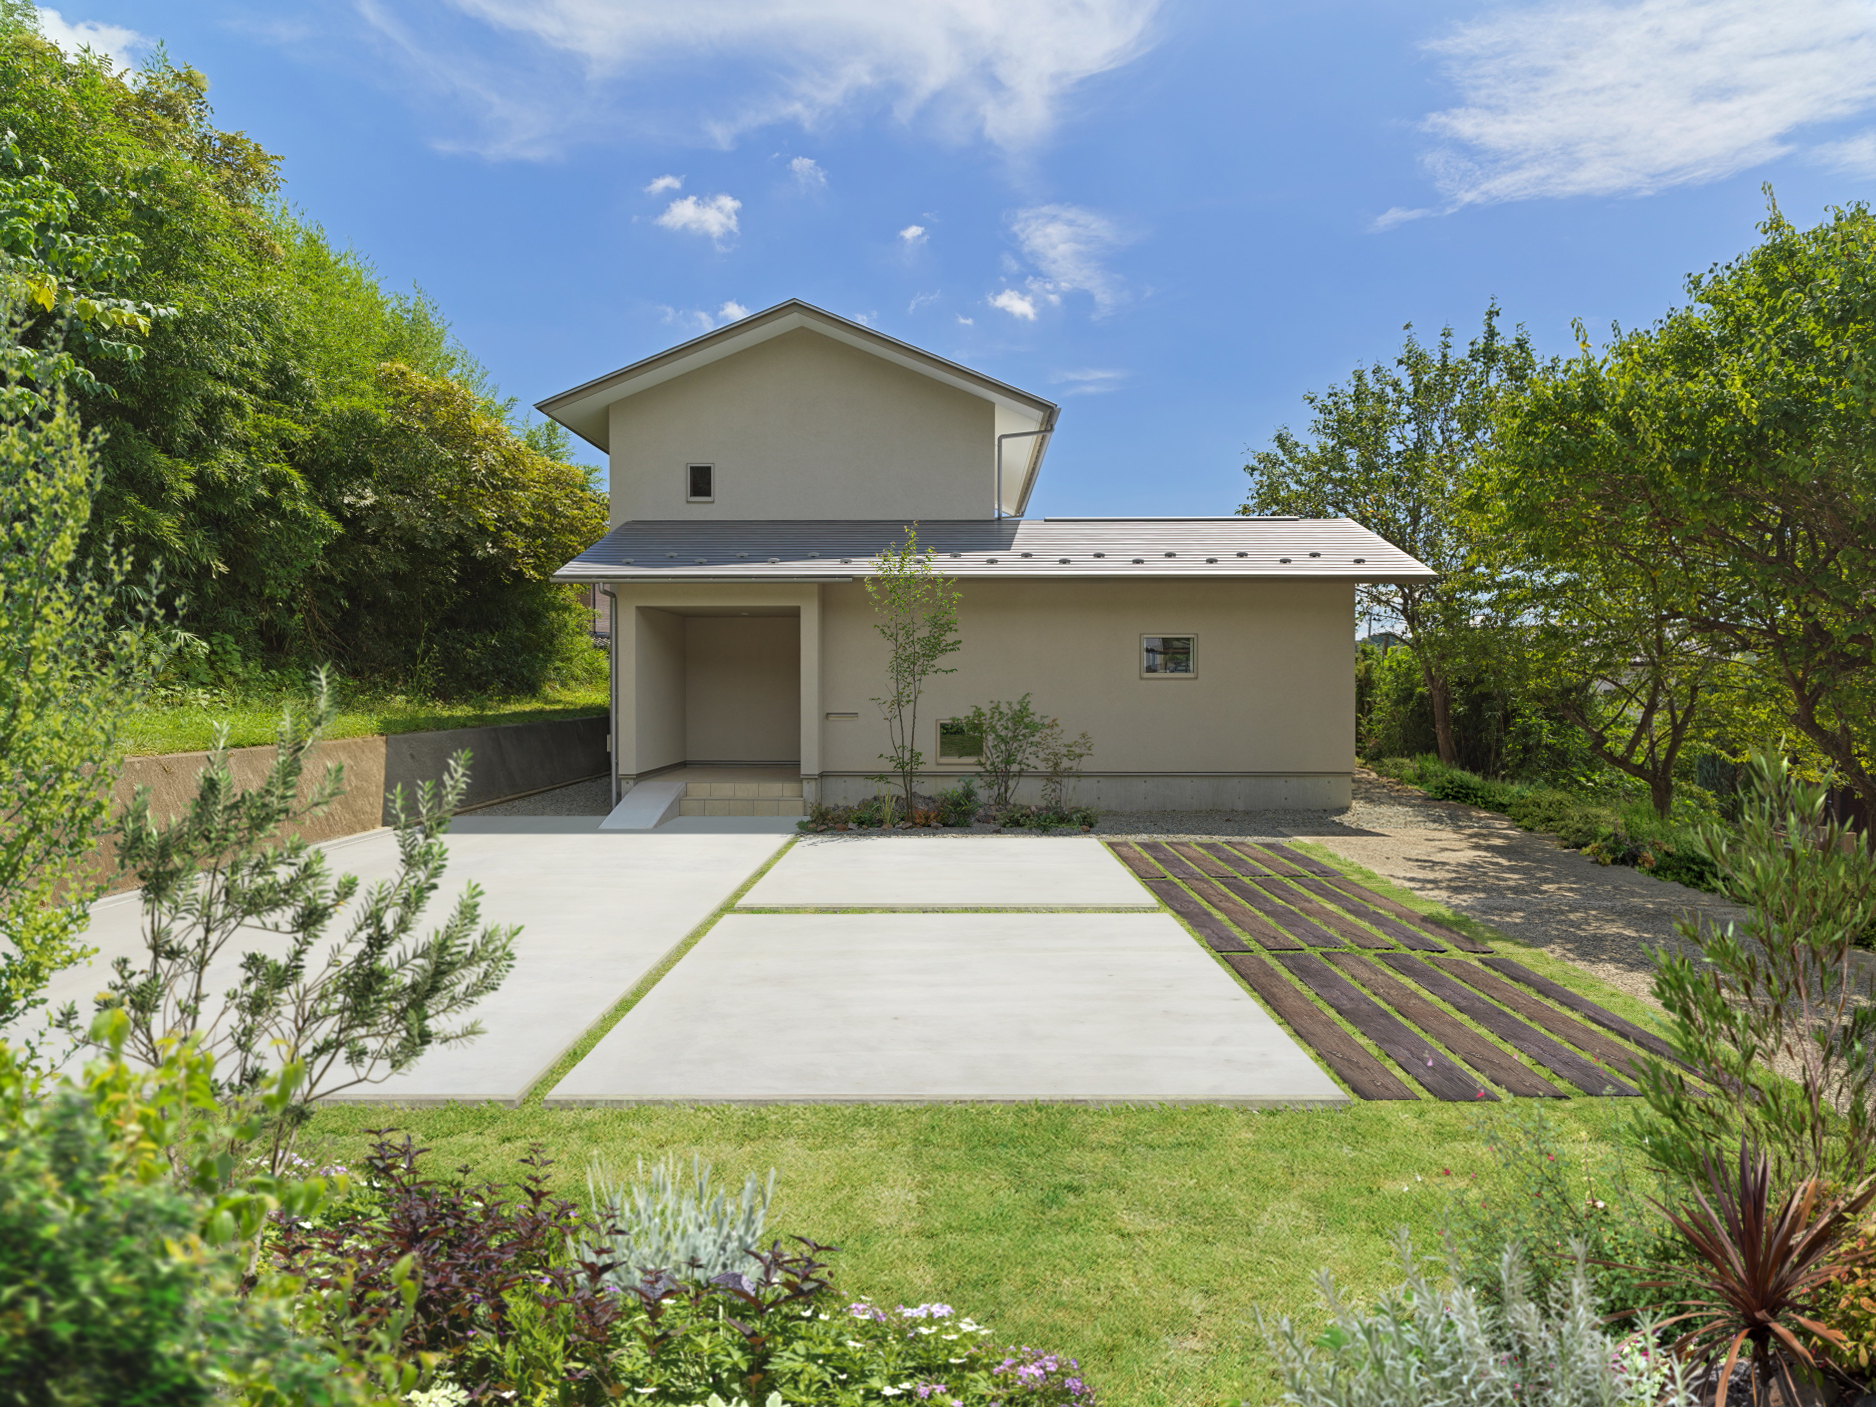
point(756, 472)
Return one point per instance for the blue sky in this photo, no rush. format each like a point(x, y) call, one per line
point(1173, 216)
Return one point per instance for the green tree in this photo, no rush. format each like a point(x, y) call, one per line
point(1735, 440)
point(1603, 641)
point(288, 431)
point(917, 613)
point(1392, 449)
point(68, 674)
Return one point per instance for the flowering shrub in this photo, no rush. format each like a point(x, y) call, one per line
point(519, 1300)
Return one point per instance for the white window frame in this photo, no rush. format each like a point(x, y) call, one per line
point(700, 464)
point(1140, 656)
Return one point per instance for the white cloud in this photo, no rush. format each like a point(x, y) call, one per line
point(1854, 156)
point(665, 183)
point(913, 234)
point(1091, 382)
point(713, 215)
point(808, 173)
point(968, 322)
point(1068, 245)
point(697, 318)
point(920, 300)
point(1017, 305)
point(999, 70)
point(1398, 215)
point(111, 39)
point(1587, 97)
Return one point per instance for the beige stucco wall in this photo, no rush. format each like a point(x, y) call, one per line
point(1269, 719)
point(802, 426)
point(742, 689)
point(658, 689)
point(1274, 691)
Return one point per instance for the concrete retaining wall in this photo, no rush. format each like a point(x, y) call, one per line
point(507, 760)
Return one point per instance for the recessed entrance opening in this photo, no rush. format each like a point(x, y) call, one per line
point(720, 686)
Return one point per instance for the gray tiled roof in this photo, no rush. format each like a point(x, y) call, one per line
point(835, 549)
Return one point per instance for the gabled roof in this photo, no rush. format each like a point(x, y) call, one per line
point(583, 409)
point(1305, 549)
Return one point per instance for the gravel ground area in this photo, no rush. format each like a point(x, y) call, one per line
point(1603, 918)
point(589, 798)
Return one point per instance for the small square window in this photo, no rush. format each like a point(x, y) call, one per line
point(956, 743)
point(700, 483)
point(1169, 656)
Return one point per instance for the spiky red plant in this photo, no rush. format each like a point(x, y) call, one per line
point(1760, 1267)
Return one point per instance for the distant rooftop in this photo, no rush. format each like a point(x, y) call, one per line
point(840, 549)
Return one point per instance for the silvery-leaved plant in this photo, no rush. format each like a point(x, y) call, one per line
point(1427, 1345)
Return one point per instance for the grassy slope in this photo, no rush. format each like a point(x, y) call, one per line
point(252, 721)
point(1140, 1240)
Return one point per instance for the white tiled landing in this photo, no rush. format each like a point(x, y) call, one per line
point(934, 1008)
point(948, 872)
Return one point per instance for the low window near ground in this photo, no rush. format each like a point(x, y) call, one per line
point(700, 483)
point(1168, 656)
point(956, 743)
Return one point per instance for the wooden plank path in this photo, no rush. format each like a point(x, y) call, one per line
point(1395, 933)
point(1496, 1065)
point(1340, 1051)
point(1239, 896)
point(1608, 1020)
point(1559, 1059)
point(1334, 920)
point(1243, 919)
point(1540, 1013)
point(1282, 915)
point(1210, 927)
point(1401, 911)
point(1410, 1050)
point(1258, 864)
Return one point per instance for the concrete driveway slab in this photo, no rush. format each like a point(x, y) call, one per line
point(598, 911)
point(932, 1008)
point(963, 872)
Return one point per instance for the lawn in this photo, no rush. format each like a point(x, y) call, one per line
point(253, 717)
point(1141, 1240)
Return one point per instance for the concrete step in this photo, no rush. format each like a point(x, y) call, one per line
point(741, 791)
point(743, 805)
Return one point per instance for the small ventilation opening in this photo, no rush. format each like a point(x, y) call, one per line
point(701, 483)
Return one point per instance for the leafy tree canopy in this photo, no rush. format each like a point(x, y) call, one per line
point(321, 471)
point(1736, 440)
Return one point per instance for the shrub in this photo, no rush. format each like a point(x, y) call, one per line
point(1010, 732)
point(348, 1008)
point(660, 1225)
point(121, 1259)
point(1761, 1261)
point(959, 805)
point(1545, 1196)
point(1450, 1344)
point(1774, 1022)
point(505, 1300)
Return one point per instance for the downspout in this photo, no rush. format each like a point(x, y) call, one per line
point(612, 691)
point(1013, 435)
